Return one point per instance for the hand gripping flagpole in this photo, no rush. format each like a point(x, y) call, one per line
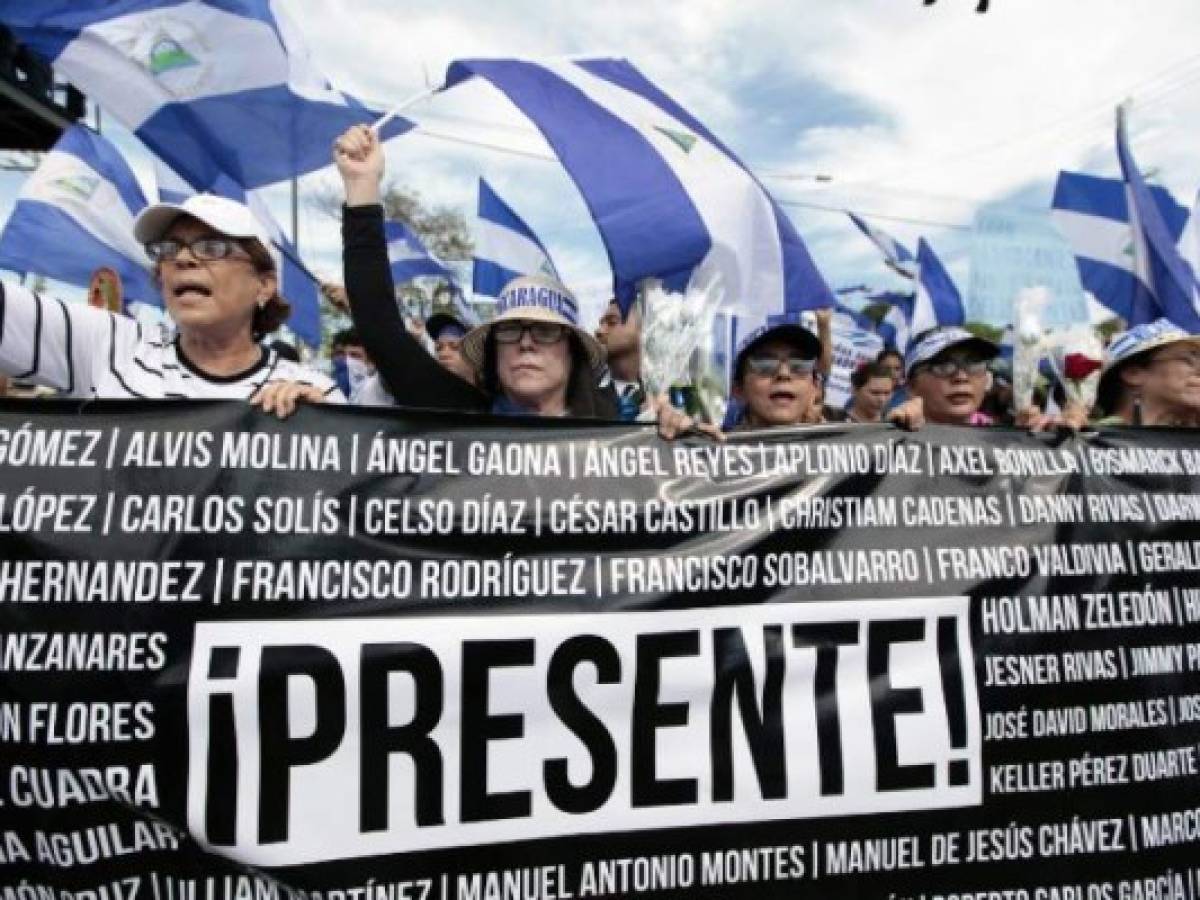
point(403, 105)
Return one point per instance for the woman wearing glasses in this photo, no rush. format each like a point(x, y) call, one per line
point(1151, 376)
point(947, 369)
point(219, 285)
point(773, 376)
point(532, 359)
point(775, 380)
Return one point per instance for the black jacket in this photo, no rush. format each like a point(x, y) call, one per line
point(413, 377)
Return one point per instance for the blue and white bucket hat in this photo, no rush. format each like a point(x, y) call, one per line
point(533, 298)
point(1133, 343)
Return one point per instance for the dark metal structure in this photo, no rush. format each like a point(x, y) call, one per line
point(34, 111)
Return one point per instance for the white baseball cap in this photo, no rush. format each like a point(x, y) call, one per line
point(221, 214)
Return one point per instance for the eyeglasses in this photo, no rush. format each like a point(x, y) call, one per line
point(1191, 360)
point(766, 366)
point(203, 248)
point(948, 368)
point(541, 332)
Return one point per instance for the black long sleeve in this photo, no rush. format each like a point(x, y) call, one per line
point(413, 376)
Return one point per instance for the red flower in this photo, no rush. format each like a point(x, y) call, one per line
point(1077, 366)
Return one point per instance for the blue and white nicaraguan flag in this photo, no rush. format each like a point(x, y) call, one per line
point(938, 301)
point(895, 254)
point(296, 283)
point(895, 327)
point(1093, 215)
point(218, 87)
point(408, 257)
point(75, 214)
point(1189, 241)
point(505, 247)
point(666, 195)
point(1166, 285)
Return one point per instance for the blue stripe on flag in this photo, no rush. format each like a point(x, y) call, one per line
point(409, 257)
point(894, 253)
point(75, 215)
point(102, 156)
point(489, 279)
point(804, 287)
point(861, 320)
point(257, 136)
point(507, 249)
point(647, 221)
point(494, 209)
point(291, 136)
point(1089, 208)
point(1106, 198)
point(408, 269)
point(938, 301)
point(1172, 284)
point(43, 239)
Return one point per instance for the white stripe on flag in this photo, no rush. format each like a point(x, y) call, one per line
point(507, 248)
point(247, 56)
point(1194, 222)
point(734, 209)
point(924, 316)
point(1095, 237)
point(401, 251)
point(1141, 250)
point(304, 78)
point(67, 183)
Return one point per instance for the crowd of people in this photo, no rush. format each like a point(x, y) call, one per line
point(220, 287)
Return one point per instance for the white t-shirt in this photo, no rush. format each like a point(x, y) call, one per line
point(91, 353)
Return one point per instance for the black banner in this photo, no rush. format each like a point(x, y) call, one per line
point(363, 656)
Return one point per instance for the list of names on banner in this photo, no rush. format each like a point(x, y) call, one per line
point(369, 657)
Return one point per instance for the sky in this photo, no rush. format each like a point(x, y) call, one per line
point(914, 116)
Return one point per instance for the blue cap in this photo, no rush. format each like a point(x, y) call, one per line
point(458, 314)
point(937, 340)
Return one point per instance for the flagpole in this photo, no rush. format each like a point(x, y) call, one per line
point(295, 213)
point(403, 105)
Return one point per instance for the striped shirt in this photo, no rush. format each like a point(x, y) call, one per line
point(86, 352)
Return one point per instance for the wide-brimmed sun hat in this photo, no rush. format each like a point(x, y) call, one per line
point(533, 298)
point(1128, 345)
